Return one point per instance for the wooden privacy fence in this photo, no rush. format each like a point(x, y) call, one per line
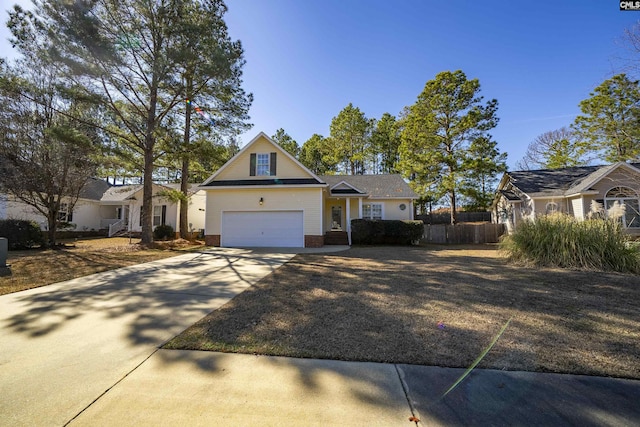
point(445, 217)
point(463, 233)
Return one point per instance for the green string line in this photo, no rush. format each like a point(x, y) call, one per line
point(475, 363)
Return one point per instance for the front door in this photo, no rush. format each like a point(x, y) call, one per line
point(336, 217)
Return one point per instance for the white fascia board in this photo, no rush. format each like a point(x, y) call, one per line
point(246, 147)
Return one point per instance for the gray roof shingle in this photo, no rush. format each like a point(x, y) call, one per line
point(555, 182)
point(120, 193)
point(377, 186)
point(94, 189)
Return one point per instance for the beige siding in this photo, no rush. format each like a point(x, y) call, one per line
point(391, 208)
point(195, 213)
point(541, 205)
point(306, 199)
point(285, 167)
point(617, 178)
point(587, 204)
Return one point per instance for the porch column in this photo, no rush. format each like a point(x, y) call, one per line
point(348, 200)
point(359, 207)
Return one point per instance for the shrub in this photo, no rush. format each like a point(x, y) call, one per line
point(21, 234)
point(385, 232)
point(164, 232)
point(563, 241)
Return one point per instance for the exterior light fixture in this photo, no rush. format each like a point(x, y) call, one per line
point(261, 201)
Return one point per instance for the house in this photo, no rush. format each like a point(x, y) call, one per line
point(121, 208)
point(114, 208)
point(85, 214)
point(522, 195)
point(263, 196)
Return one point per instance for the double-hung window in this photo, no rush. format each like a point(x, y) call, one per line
point(64, 214)
point(263, 167)
point(372, 211)
point(157, 215)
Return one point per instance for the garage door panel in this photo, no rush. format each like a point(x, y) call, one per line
point(263, 228)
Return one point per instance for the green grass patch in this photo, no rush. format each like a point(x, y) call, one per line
point(562, 241)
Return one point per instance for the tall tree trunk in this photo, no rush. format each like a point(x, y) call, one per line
point(147, 184)
point(52, 222)
point(184, 203)
point(454, 215)
point(147, 196)
point(184, 177)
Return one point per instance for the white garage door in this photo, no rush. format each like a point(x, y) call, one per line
point(263, 228)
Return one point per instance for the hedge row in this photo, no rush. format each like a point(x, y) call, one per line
point(21, 234)
point(386, 232)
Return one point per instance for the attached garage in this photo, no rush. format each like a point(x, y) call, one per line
point(262, 229)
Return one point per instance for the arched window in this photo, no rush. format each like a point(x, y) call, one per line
point(628, 198)
point(552, 207)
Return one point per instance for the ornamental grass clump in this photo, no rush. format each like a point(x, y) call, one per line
point(562, 241)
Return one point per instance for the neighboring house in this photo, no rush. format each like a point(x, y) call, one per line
point(522, 195)
point(264, 197)
point(114, 208)
point(85, 214)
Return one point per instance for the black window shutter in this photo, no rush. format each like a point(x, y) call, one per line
point(164, 215)
point(252, 165)
point(272, 164)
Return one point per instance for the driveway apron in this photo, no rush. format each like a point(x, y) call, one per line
point(62, 346)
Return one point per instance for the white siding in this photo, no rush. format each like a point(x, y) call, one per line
point(577, 208)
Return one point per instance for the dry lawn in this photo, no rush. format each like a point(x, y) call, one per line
point(384, 304)
point(34, 268)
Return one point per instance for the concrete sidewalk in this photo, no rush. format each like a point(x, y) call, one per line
point(205, 388)
point(63, 345)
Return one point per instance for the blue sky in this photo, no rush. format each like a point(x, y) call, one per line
point(306, 60)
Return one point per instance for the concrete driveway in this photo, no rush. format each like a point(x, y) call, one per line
point(62, 346)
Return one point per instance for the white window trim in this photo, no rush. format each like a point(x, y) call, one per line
point(554, 210)
point(268, 164)
point(153, 219)
point(63, 213)
point(371, 204)
point(621, 200)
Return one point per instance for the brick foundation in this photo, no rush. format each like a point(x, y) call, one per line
point(313, 241)
point(212, 240)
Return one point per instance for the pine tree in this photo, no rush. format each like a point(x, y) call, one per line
point(437, 131)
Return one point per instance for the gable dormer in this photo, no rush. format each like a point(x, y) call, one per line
point(262, 162)
point(344, 188)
